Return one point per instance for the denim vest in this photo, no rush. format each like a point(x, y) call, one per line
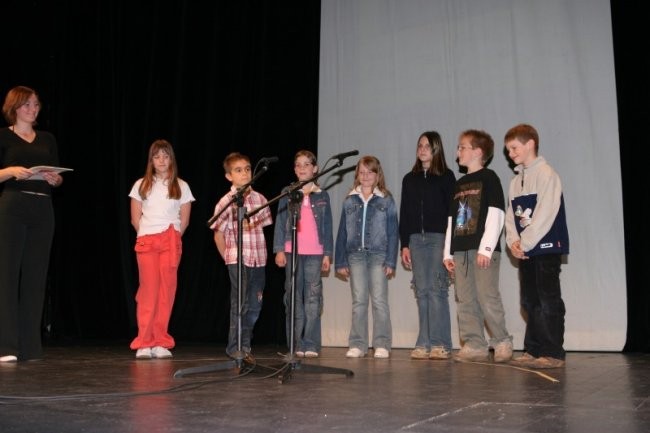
point(321, 208)
point(381, 233)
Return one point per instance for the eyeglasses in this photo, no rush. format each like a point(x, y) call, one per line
point(461, 148)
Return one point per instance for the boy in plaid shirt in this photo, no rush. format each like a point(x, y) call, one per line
point(254, 251)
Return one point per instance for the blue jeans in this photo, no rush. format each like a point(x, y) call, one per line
point(252, 290)
point(368, 281)
point(431, 287)
point(479, 301)
point(308, 302)
point(541, 298)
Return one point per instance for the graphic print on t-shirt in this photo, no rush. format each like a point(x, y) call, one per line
point(469, 203)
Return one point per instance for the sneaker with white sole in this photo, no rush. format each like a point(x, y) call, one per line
point(523, 360)
point(160, 352)
point(311, 354)
point(8, 358)
point(467, 353)
point(143, 353)
point(439, 352)
point(380, 352)
point(300, 354)
point(355, 352)
point(544, 362)
point(503, 351)
point(419, 353)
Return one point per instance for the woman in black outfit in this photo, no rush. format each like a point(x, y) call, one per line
point(26, 224)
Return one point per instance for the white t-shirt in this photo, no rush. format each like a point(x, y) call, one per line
point(159, 211)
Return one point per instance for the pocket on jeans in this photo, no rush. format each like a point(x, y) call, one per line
point(143, 246)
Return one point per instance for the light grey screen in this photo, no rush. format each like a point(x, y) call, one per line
point(390, 70)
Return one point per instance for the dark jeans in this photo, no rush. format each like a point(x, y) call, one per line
point(252, 291)
point(541, 298)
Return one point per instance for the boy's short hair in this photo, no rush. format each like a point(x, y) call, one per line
point(231, 158)
point(481, 140)
point(522, 132)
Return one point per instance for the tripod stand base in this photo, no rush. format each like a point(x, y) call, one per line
point(241, 361)
point(285, 372)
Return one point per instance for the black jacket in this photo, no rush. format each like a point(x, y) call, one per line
point(425, 204)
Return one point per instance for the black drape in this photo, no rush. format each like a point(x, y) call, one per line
point(115, 75)
point(631, 45)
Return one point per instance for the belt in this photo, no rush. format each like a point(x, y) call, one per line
point(36, 193)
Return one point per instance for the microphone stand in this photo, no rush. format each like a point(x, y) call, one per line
point(291, 364)
point(239, 361)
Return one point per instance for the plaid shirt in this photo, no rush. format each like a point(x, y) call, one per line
point(253, 244)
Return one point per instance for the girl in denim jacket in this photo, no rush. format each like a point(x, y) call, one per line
point(315, 243)
point(366, 251)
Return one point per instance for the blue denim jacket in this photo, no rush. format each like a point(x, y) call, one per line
point(320, 206)
point(381, 229)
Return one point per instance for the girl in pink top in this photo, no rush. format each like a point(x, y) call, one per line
point(310, 208)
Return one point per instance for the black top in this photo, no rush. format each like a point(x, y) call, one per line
point(474, 194)
point(14, 151)
point(425, 204)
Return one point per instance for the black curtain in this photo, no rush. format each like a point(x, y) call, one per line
point(231, 76)
point(113, 77)
point(631, 48)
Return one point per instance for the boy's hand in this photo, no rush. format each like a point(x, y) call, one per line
point(516, 250)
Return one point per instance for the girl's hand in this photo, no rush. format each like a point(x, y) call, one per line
point(325, 266)
point(406, 258)
point(280, 259)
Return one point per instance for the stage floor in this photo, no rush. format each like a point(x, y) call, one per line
point(102, 388)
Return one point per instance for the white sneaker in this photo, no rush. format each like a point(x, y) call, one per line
point(8, 358)
point(380, 352)
point(439, 352)
point(419, 353)
point(143, 353)
point(354, 352)
point(311, 354)
point(503, 351)
point(467, 353)
point(160, 352)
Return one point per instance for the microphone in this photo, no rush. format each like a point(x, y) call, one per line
point(346, 154)
point(269, 160)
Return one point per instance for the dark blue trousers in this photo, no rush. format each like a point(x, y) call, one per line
point(541, 299)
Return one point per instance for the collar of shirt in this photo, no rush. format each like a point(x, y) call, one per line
point(357, 191)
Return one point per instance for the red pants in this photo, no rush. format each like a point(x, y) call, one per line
point(158, 258)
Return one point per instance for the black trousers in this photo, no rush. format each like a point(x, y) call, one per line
point(541, 299)
point(26, 231)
